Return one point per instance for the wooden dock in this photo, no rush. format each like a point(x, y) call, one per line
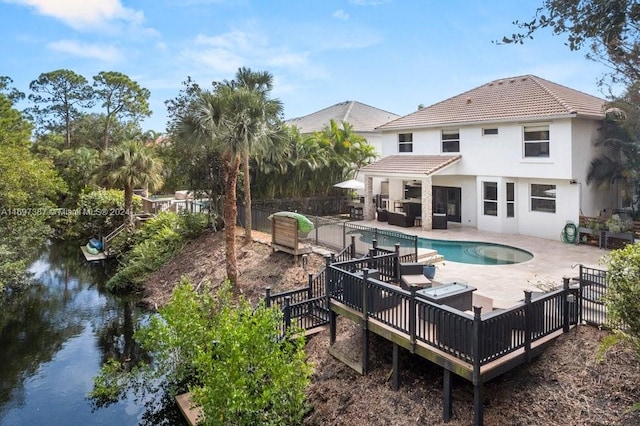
point(93, 257)
point(191, 413)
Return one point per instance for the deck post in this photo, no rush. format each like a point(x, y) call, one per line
point(527, 324)
point(397, 262)
point(353, 247)
point(565, 304)
point(267, 297)
point(478, 409)
point(394, 363)
point(372, 255)
point(327, 292)
point(365, 319)
point(287, 312)
point(581, 305)
point(447, 396)
point(412, 318)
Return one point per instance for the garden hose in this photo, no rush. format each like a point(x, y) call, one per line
point(569, 233)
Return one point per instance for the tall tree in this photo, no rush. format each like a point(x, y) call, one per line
point(220, 119)
point(27, 186)
point(59, 97)
point(260, 127)
point(619, 139)
point(609, 28)
point(11, 93)
point(129, 165)
point(123, 100)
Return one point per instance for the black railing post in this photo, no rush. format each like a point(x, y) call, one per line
point(353, 248)
point(580, 295)
point(365, 318)
point(372, 254)
point(412, 318)
point(267, 297)
point(527, 324)
point(565, 304)
point(478, 412)
point(287, 312)
point(315, 223)
point(397, 263)
point(415, 250)
point(327, 291)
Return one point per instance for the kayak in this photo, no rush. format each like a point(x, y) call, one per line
point(304, 224)
point(91, 249)
point(95, 243)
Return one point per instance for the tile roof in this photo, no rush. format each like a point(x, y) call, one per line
point(363, 118)
point(408, 164)
point(507, 99)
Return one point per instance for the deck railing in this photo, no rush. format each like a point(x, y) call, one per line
point(470, 337)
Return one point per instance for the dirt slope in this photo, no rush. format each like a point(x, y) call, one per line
point(564, 386)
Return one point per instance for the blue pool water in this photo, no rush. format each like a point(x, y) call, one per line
point(476, 252)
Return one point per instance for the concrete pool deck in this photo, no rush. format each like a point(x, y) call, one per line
point(505, 284)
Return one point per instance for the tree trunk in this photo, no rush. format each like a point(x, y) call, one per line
point(247, 199)
point(128, 208)
point(230, 218)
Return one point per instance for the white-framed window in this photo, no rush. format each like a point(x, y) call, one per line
point(405, 142)
point(489, 131)
point(451, 140)
point(536, 141)
point(490, 198)
point(543, 198)
point(511, 199)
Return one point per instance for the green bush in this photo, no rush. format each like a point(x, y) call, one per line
point(159, 239)
point(623, 291)
point(102, 211)
point(227, 353)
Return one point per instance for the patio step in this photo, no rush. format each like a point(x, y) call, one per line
point(429, 256)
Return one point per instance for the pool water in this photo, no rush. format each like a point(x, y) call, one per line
point(476, 252)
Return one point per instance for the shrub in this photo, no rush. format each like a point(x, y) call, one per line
point(153, 245)
point(228, 353)
point(623, 291)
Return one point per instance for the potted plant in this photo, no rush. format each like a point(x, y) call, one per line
point(429, 270)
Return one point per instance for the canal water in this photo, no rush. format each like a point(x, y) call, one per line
point(55, 336)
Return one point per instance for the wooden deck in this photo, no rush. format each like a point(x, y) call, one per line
point(190, 412)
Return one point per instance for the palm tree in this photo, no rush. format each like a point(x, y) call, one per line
point(619, 162)
point(222, 120)
point(130, 165)
point(259, 125)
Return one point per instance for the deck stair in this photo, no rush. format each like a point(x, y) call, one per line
point(429, 256)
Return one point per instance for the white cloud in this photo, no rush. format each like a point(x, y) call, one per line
point(340, 14)
point(224, 53)
point(85, 14)
point(103, 53)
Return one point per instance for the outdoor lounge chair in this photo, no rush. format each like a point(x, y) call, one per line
point(411, 275)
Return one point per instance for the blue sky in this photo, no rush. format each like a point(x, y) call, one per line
point(390, 54)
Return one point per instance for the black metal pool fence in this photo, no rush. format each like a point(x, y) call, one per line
point(335, 232)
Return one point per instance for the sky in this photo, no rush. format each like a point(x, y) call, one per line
point(390, 54)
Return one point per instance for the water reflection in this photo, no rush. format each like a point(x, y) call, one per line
point(55, 335)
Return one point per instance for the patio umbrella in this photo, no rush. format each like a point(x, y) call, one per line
point(350, 184)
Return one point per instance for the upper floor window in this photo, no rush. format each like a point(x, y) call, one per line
point(490, 198)
point(405, 142)
point(543, 198)
point(489, 131)
point(451, 140)
point(536, 141)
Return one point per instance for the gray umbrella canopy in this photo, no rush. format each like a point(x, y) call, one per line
point(350, 184)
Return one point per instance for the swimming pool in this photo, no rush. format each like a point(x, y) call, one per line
point(476, 252)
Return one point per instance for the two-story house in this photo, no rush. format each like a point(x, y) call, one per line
point(510, 156)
